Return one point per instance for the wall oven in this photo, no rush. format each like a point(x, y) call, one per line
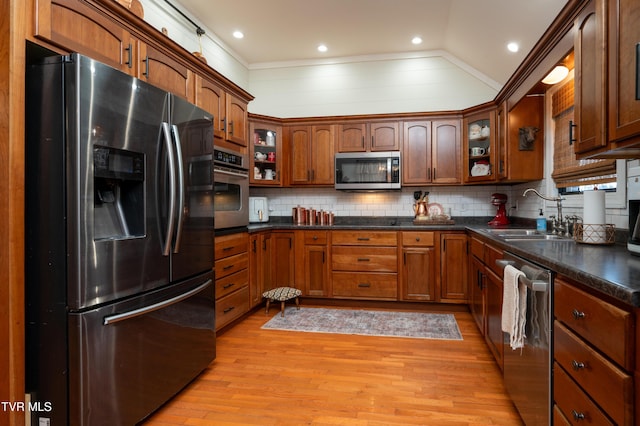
point(231, 189)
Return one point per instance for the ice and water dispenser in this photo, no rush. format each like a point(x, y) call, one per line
point(118, 193)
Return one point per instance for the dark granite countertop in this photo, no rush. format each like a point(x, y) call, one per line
point(610, 269)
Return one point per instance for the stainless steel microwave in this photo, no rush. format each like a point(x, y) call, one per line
point(367, 170)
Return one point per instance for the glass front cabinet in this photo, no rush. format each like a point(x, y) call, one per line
point(266, 154)
point(479, 163)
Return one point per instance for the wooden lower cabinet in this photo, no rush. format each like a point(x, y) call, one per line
point(312, 263)
point(364, 265)
point(272, 260)
point(232, 278)
point(593, 357)
point(418, 266)
point(453, 267)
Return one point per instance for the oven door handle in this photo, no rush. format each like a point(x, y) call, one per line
point(230, 173)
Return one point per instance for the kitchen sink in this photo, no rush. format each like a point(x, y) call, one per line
point(526, 235)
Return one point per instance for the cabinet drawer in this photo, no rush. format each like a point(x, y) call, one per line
point(232, 264)
point(228, 245)
point(610, 387)
point(491, 254)
point(365, 238)
point(365, 286)
point(574, 403)
point(231, 307)
point(365, 259)
point(477, 248)
point(315, 237)
point(418, 239)
point(231, 283)
point(602, 324)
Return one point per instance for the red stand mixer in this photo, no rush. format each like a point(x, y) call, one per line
point(501, 218)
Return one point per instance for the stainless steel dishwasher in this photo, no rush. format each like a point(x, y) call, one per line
point(527, 371)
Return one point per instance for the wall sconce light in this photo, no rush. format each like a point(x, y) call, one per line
point(559, 73)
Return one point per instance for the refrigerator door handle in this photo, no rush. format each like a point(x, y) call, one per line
point(172, 189)
point(181, 208)
point(112, 319)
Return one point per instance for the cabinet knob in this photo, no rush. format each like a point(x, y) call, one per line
point(417, 238)
point(315, 237)
point(578, 314)
point(577, 415)
point(577, 365)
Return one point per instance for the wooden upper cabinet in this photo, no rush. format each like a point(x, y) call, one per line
point(384, 136)
point(211, 97)
point(352, 137)
point(236, 120)
point(165, 72)
point(362, 137)
point(416, 153)
point(76, 27)
point(445, 148)
point(312, 150)
point(624, 103)
point(431, 152)
point(590, 78)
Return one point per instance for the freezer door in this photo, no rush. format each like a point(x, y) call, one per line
point(192, 133)
point(129, 358)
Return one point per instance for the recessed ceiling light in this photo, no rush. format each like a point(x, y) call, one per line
point(238, 34)
point(513, 47)
point(322, 48)
point(416, 40)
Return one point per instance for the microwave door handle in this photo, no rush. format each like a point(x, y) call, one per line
point(181, 197)
point(389, 177)
point(166, 130)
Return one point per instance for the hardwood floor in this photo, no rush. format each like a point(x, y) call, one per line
point(267, 377)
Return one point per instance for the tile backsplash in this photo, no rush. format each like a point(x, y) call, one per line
point(456, 201)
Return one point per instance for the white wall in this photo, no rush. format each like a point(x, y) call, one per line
point(160, 15)
point(435, 81)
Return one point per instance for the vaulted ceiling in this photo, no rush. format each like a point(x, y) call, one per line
point(287, 32)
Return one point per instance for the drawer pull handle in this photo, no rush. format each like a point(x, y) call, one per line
point(226, 311)
point(363, 259)
point(227, 267)
point(227, 248)
point(577, 365)
point(577, 416)
point(365, 285)
point(228, 286)
point(363, 238)
point(578, 314)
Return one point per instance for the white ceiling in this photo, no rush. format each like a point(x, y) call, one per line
point(281, 32)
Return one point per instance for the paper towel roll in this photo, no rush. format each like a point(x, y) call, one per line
point(594, 209)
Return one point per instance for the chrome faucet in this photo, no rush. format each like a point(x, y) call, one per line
point(560, 225)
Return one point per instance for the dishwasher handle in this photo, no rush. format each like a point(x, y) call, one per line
point(534, 285)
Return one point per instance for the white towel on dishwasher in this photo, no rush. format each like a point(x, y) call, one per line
point(514, 306)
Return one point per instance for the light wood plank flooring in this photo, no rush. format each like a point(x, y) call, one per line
point(267, 377)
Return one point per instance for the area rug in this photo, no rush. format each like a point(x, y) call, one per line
point(372, 323)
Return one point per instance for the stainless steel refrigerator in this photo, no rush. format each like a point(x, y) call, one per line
point(119, 246)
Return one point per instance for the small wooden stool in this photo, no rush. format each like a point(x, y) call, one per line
point(281, 294)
